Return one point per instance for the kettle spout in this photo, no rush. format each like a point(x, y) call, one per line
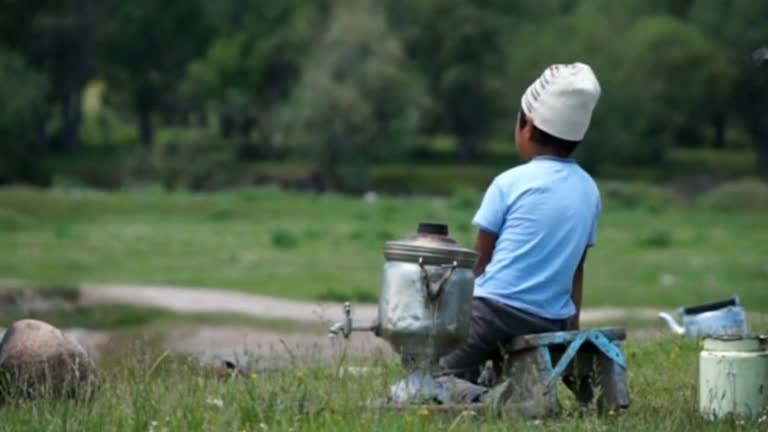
point(673, 325)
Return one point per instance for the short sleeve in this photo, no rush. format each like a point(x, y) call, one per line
point(593, 231)
point(490, 215)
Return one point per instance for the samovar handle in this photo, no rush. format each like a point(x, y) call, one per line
point(434, 289)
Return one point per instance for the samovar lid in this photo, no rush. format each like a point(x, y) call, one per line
point(432, 245)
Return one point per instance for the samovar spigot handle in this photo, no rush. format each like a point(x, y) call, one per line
point(345, 328)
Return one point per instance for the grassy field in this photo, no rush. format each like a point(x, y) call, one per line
point(652, 249)
point(146, 391)
point(655, 249)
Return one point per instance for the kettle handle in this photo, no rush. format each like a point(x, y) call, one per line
point(434, 289)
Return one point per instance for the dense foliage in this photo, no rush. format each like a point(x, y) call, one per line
point(346, 83)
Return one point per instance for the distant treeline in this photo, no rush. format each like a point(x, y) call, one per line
point(348, 83)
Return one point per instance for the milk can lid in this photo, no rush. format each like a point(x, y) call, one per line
point(735, 343)
point(432, 245)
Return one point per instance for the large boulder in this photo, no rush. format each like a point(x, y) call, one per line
point(38, 360)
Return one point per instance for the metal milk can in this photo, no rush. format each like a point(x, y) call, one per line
point(425, 303)
point(733, 377)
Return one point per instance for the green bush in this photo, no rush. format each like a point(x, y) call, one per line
point(750, 194)
point(193, 159)
point(656, 238)
point(284, 239)
point(221, 214)
point(100, 171)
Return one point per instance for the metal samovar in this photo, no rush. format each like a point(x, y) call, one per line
point(425, 302)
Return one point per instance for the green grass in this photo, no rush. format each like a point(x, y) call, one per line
point(146, 391)
point(650, 252)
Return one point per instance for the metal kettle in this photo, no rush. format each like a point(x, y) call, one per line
point(723, 318)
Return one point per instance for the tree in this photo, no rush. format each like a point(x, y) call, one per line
point(22, 110)
point(741, 26)
point(58, 38)
point(253, 63)
point(676, 79)
point(662, 79)
point(357, 100)
point(146, 51)
point(458, 48)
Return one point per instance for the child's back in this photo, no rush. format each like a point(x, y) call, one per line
point(544, 215)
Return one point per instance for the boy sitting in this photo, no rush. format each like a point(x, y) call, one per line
point(535, 224)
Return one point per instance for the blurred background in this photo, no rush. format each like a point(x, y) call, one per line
point(358, 95)
point(184, 143)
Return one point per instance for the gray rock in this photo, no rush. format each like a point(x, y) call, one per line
point(38, 360)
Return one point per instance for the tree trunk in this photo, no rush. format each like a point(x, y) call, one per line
point(79, 70)
point(330, 165)
point(761, 147)
point(146, 133)
point(144, 114)
point(72, 118)
point(225, 122)
point(719, 122)
point(468, 148)
point(145, 103)
point(758, 128)
point(202, 116)
point(41, 136)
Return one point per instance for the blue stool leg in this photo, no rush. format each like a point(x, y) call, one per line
point(525, 391)
point(612, 380)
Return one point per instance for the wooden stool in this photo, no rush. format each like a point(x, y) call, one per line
point(590, 362)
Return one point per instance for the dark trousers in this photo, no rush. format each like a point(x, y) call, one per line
point(493, 325)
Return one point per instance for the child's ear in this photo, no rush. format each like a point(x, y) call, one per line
point(527, 131)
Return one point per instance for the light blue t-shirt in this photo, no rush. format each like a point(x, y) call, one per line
point(544, 214)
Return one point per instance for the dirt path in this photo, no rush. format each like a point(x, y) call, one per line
point(264, 349)
point(181, 299)
point(256, 348)
point(260, 348)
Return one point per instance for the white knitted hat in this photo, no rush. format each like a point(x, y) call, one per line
point(561, 101)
